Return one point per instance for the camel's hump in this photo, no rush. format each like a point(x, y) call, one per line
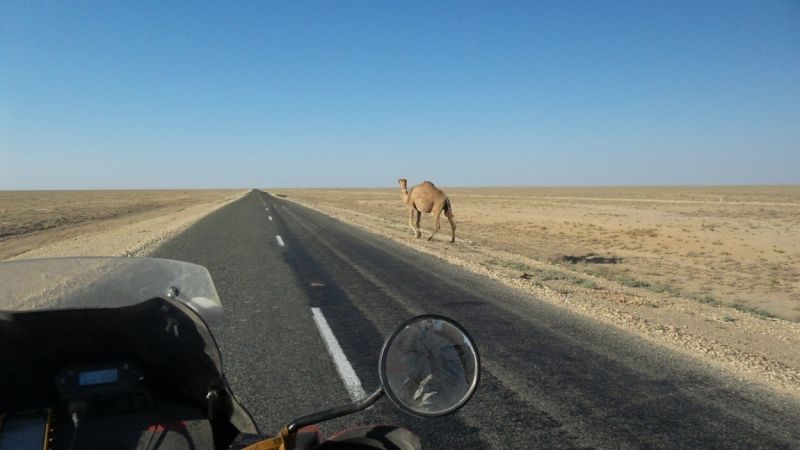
point(427, 183)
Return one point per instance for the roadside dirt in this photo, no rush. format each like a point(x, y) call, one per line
point(42, 224)
point(689, 268)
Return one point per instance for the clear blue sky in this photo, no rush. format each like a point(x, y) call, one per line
point(190, 94)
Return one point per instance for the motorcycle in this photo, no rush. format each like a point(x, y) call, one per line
point(118, 353)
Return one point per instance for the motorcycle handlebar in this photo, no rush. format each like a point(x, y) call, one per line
point(333, 413)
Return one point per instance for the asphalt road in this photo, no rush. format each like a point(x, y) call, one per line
point(550, 379)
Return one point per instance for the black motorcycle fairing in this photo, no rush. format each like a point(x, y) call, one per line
point(180, 367)
point(168, 427)
point(34, 346)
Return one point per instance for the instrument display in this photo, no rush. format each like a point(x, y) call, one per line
point(94, 377)
point(97, 379)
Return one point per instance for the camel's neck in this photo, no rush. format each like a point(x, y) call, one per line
point(404, 195)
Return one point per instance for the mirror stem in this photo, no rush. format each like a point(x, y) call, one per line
point(333, 413)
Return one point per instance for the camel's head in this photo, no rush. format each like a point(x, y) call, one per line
point(403, 183)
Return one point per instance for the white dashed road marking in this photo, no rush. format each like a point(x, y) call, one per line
point(349, 377)
point(280, 241)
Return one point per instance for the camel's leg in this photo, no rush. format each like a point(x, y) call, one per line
point(436, 225)
point(452, 224)
point(411, 222)
point(419, 216)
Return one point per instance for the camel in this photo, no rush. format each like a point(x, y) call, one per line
point(426, 198)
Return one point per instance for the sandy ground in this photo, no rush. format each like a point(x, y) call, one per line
point(43, 224)
point(710, 271)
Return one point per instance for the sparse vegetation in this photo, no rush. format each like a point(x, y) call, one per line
point(639, 232)
point(539, 275)
point(707, 299)
point(751, 310)
point(516, 265)
point(663, 288)
point(632, 282)
point(600, 272)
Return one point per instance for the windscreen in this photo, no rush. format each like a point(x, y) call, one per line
point(78, 283)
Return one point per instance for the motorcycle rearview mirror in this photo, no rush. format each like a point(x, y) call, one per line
point(429, 367)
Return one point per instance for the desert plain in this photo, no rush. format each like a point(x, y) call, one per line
point(713, 272)
point(734, 245)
